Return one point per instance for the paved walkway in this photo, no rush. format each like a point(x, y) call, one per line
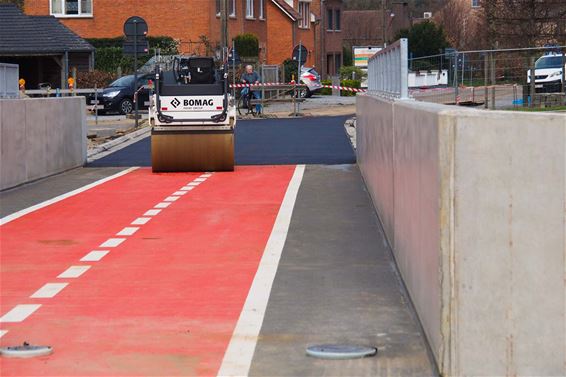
point(135, 273)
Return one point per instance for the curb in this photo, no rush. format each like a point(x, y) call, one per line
point(117, 144)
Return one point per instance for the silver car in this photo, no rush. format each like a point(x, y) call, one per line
point(311, 79)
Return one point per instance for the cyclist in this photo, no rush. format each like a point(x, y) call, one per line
point(251, 77)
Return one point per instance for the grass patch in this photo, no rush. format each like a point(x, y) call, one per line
point(539, 109)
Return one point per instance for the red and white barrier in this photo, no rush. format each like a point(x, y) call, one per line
point(356, 90)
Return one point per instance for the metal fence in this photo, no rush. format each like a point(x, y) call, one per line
point(9, 74)
point(388, 71)
point(491, 79)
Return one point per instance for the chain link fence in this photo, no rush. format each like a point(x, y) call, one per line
point(491, 79)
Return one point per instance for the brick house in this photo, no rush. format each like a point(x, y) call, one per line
point(279, 24)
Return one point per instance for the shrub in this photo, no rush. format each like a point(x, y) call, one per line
point(349, 84)
point(99, 78)
point(326, 91)
point(291, 68)
point(247, 45)
point(347, 71)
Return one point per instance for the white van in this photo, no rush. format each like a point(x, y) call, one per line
point(548, 73)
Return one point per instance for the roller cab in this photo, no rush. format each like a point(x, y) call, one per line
point(192, 117)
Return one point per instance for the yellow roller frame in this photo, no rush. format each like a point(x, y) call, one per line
point(180, 151)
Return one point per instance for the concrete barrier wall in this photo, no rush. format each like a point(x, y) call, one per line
point(477, 203)
point(40, 137)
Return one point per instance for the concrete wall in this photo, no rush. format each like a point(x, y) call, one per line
point(474, 205)
point(40, 137)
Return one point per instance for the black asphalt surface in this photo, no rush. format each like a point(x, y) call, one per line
point(320, 140)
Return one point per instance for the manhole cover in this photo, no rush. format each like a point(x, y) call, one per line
point(340, 351)
point(25, 350)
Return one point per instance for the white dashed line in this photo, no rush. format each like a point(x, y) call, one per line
point(187, 188)
point(172, 198)
point(49, 290)
point(73, 272)
point(193, 184)
point(3, 332)
point(206, 175)
point(199, 179)
point(95, 256)
point(141, 221)
point(112, 242)
point(152, 212)
point(19, 313)
point(162, 205)
point(128, 231)
point(179, 193)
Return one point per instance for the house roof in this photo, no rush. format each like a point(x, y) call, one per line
point(21, 34)
point(287, 9)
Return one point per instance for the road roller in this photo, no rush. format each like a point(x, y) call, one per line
point(192, 117)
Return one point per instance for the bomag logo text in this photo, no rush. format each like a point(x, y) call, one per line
point(198, 102)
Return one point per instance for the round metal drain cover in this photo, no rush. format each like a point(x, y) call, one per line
point(25, 350)
point(340, 351)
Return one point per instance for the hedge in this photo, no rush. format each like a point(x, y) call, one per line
point(247, 45)
point(109, 55)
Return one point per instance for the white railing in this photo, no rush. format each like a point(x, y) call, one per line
point(388, 71)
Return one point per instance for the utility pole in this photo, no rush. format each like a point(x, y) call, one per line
point(224, 27)
point(383, 21)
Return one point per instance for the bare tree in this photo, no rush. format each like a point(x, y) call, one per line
point(463, 25)
point(524, 23)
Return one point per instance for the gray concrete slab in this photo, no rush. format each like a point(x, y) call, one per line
point(337, 283)
point(34, 193)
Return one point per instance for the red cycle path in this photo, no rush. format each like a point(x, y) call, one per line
point(166, 301)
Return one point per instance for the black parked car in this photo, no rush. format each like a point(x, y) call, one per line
point(119, 96)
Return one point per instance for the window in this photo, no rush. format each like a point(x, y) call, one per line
point(329, 19)
point(475, 3)
point(337, 62)
point(261, 9)
point(231, 8)
point(249, 8)
point(337, 20)
point(305, 14)
point(71, 7)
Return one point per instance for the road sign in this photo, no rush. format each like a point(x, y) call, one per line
point(300, 51)
point(135, 26)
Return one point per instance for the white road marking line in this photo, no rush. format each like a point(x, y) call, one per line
point(162, 205)
point(187, 188)
point(23, 212)
point(128, 231)
point(152, 212)
point(112, 242)
point(206, 175)
point(193, 184)
point(240, 351)
point(141, 221)
point(171, 198)
point(73, 272)
point(95, 256)
point(49, 290)
point(19, 313)
point(3, 332)
point(179, 193)
point(199, 180)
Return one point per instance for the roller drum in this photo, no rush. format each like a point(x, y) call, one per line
point(182, 151)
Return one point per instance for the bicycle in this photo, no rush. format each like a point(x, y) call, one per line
point(245, 106)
